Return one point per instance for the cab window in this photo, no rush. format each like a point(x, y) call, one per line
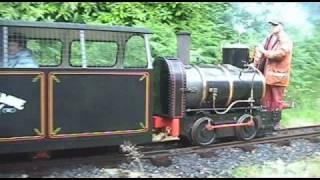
point(135, 52)
point(102, 54)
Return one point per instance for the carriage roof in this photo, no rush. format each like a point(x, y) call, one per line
point(78, 26)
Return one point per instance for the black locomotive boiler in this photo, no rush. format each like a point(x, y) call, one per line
point(98, 85)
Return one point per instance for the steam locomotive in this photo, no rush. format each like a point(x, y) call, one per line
point(211, 101)
point(70, 101)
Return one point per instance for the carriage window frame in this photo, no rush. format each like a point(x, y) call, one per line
point(125, 50)
point(78, 40)
point(61, 50)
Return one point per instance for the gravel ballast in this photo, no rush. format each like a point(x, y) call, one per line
point(221, 164)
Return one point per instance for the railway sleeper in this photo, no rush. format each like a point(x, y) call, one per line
point(207, 154)
point(314, 139)
point(161, 161)
point(283, 143)
point(248, 148)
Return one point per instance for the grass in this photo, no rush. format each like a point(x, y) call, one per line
point(306, 112)
point(302, 168)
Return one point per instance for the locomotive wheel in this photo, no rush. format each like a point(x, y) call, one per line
point(200, 135)
point(246, 132)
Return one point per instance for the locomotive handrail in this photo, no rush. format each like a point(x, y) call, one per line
point(232, 104)
point(251, 91)
point(211, 109)
point(250, 100)
point(251, 66)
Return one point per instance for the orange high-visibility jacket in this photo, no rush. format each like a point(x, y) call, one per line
point(277, 60)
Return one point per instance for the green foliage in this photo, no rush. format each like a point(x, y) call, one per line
point(207, 22)
point(135, 52)
point(105, 57)
point(46, 52)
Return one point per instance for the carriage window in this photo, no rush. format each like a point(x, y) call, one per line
point(22, 51)
point(97, 53)
point(46, 52)
point(135, 52)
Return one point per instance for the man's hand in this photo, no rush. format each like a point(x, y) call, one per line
point(261, 49)
point(265, 53)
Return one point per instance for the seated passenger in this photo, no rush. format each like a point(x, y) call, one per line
point(19, 56)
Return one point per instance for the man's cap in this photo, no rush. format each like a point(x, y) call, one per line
point(275, 22)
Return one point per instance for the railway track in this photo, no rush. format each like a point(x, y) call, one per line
point(281, 136)
point(112, 158)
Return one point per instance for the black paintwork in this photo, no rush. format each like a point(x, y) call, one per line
point(169, 85)
point(237, 56)
point(82, 103)
point(98, 103)
point(231, 83)
point(219, 81)
point(22, 122)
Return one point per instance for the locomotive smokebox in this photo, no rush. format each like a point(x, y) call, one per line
point(183, 47)
point(235, 54)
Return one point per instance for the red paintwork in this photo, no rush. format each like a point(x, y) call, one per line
point(170, 125)
point(41, 155)
point(210, 127)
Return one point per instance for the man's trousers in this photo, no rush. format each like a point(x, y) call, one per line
point(273, 99)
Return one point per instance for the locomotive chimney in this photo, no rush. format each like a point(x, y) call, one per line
point(183, 45)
